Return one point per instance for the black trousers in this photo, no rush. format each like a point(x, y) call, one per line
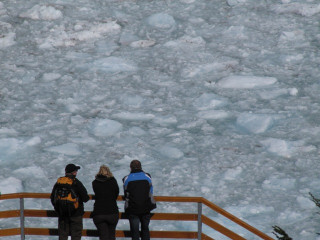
point(106, 225)
point(135, 221)
point(70, 226)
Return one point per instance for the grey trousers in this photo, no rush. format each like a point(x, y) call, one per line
point(70, 226)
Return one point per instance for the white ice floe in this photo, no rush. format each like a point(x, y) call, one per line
point(7, 40)
point(281, 147)
point(134, 116)
point(254, 123)
point(246, 82)
point(42, 12)
point(233, 173)
point(30, 172)
point(279, 184)
point(70, 149)
point(161, 20)
point(10, 185)
point(186, 42)
point(304, 9)
point(213, 114)
point(142, 43)
point(209, 101)
point(208, 68)
point(111, 64)
point(105, 127)
point(165, 120)
point(171, 152)
point(60, 36)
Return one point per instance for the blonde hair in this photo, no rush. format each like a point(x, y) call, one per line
point(105, 171)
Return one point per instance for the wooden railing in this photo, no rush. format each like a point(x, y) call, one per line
point(22, 213)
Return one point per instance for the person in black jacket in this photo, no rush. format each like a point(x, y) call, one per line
point(72, 225)
point(138, 194)
point(105, 212)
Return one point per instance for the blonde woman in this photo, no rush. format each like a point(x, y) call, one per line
point(105, 211)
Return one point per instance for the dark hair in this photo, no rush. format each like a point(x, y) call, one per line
point(135, 165)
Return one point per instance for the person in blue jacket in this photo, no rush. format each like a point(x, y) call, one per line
point(139, 201)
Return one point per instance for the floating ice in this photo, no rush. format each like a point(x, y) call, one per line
point(305, 203)
point(10, 185)
point(281, 147)
point(186, 42)
point(279, 184)
point(171, 152)
point(7, 40)
point(161, 20)
point(30, 172)
point(112, 64)
point(105, 127)
point(51, 76)
point(198, 71)
point(165, 120)
point(70, 149)
point(213, 114)
point(243, 82)
point(42, 12)
point(304, 9)
point(133, 116)
point(208, 101)
point(13, 147)
point(232, 174)
point(254, 123)
point(143, 43)
point(61, 37)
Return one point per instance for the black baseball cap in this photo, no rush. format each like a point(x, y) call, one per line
point(71, 168)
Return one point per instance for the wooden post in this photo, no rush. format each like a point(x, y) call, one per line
point(199, 220)
point(22, 218)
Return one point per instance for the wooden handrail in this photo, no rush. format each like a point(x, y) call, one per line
point(155, 216)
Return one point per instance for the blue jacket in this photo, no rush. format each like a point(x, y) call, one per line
point(138, 193)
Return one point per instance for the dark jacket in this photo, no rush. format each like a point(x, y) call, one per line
point(106, 192)
point(138, 193)
point(81, 192)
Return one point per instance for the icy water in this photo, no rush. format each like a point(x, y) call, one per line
point(217, 98)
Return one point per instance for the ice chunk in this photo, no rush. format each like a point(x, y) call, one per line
point(305, 203)
point(243, 82)
point(10, 185)
point(186, 42)
point(112, 64)
point(281, 147)
point(304, 9)
point(105, 127)
point(51, 76)
point(280, 184)
point(171, 152)
point(143, 43)
point(166, 120)
point(161, 20)
point(7, 40)
point(30, 172)
point(213, 114)
point(208, 101)
point(254, 123)
point(232, 174)
point(70, 149)
point(133, 116)
point(42, 12)
point(12, 147)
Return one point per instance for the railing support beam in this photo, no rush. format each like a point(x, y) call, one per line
point(22, 218)
point(199, 220)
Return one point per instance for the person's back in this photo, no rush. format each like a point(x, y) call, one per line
point(138, 189)
point(71, 223)
point(138, 194)
point(105, 212)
